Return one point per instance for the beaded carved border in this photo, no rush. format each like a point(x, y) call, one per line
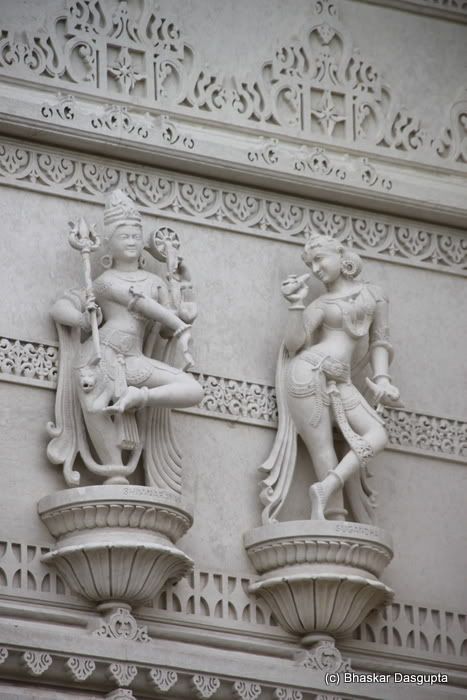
point(30, 362)
point(282, 218)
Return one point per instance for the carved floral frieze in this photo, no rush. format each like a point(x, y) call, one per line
point(249, 402)
point(284, 218)
point(317, 86)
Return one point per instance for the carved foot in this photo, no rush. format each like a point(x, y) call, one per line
point(318, 501)
point(131, 400)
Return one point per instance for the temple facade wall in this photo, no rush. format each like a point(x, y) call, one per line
point(243, 150)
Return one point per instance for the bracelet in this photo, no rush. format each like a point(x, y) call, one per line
point(181, 330)
point(145, 392)
point(380, 376)
point(296, 307)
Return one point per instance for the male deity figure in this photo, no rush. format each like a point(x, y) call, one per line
point(114, 398)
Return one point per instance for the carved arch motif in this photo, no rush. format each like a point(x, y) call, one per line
point(317, 86)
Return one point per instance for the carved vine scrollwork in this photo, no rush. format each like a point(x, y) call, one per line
point(317, 85)
point(115, 118)
point(163, 194)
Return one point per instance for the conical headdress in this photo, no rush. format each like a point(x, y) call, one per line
point(119, 210)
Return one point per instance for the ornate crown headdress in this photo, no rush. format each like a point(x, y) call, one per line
point(119, 210)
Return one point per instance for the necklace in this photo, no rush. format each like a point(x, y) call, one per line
point(131, 276)
point(350, 295)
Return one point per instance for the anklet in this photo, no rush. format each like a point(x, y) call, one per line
point(331, 472)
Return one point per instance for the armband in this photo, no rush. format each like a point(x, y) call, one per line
point(136, 296)
point(181, 330)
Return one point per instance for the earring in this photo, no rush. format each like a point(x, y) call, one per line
point(107, 261)
point(141, 261)
point(350, 266)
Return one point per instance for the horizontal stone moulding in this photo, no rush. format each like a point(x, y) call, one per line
point(234, 207)
point(34, 363)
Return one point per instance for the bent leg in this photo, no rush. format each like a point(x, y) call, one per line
point(166, 387)
point(319, 442)
point(372, 431)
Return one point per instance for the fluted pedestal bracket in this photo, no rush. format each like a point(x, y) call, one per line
point(115, 543)
point(320, 578)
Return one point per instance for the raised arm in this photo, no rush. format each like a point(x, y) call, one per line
point(301, 323)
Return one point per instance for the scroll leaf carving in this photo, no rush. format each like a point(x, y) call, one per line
point(452, 142)
point(250, 212)
point(120, 624)
point(63, 108)
point(205, 686)
point(120, 694)
point(324, 656)
point(123, 674)
point(115, 118)
point(163, 678)
point(80, 668)
point(288, 694)
point(36, 662)
point(317, 85)
point(246, 690)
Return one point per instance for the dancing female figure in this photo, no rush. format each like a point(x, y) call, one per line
point(314, 384)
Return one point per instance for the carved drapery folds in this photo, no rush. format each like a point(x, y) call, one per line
point(120, 339)
point(317, 86)
point(320, 576)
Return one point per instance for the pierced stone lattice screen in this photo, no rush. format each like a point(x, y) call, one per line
point(221, 597)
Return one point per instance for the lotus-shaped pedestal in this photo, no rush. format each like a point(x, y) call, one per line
point(320, 578)
point(115, 544)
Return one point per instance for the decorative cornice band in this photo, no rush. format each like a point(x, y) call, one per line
point(317, 86)
point(283, 218)
point(33, 363)
point(444, 9)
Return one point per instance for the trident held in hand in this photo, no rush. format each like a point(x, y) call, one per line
point(84, 239)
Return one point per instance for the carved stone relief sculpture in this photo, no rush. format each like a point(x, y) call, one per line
point(120, 338)
point(321, 576)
